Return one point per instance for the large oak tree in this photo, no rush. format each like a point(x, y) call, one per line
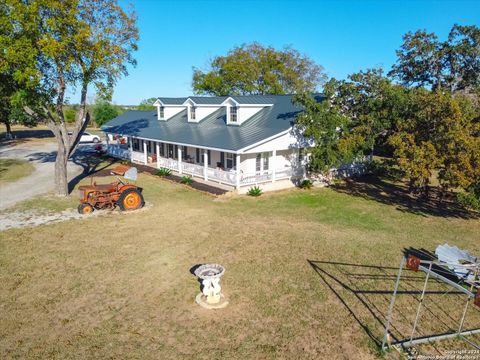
point(55, 46)
point(253, 69)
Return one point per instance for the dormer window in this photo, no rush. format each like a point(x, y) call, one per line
point(192, 113)
point(233, 114)
point(161, 112)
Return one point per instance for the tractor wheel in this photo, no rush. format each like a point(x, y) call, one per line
point(85, 209)
point(131, 199)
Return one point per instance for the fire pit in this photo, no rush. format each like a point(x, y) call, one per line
point(211, 296)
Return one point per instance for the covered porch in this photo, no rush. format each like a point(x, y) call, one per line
point(212, 165)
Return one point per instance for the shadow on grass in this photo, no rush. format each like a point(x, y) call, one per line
point(91, 163)
point(365, 292)
point(398, 195)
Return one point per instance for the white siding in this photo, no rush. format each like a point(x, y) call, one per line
point(201, 112)
point(245, 113)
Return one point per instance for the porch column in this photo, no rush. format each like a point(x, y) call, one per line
point(274, 165)
point(238, 171)
point(145, 155)
point(157, 145)
point(179, 156)
point(130, 147)
point(205, 165)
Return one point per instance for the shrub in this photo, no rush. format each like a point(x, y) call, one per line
point(163, 172)
point(254, 191)
point(187, 180)
point(468, 200)
point(306, 184)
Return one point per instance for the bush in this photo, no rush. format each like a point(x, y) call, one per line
point(254, 191)
point(306, 184)
point(163, 172)
point(187, 180)
point(469, 200)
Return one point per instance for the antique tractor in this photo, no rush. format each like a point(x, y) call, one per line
point(108, 196)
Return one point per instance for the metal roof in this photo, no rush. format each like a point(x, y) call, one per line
point(213, 131)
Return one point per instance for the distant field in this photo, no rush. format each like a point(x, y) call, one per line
point(308, 275)
point(11, 170)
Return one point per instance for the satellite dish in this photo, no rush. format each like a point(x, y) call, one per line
point(131, 174)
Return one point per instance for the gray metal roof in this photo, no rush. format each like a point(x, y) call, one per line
point(172, 101)
point(211, 132)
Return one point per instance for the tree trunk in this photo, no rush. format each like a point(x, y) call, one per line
point(61, 181)
point(8, 135)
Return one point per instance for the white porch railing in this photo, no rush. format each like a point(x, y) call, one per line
point(138, 156)
point(222, 176)
point(192, 169)
point(168, 163)
point(118, 151)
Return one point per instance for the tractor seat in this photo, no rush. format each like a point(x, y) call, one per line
point(106, 187)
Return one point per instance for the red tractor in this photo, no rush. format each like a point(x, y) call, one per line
point(107, 196)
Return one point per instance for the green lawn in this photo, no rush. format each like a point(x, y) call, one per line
point(119, 286)
point(11, 170)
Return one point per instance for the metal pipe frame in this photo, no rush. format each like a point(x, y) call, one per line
point(392, 302)
point(420, 340)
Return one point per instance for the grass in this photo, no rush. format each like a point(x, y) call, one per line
point(45, 203)
point(120, 287)
point(11, 170)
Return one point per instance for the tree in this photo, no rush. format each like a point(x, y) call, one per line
point(55, 45)
point(146, 104)
point(437, 132)
point(12, 99)
point(372, 103)
point(103, 111)
point(454, 64)
point(324, 122)
point(253, 69)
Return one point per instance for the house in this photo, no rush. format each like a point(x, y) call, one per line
point(237, 141)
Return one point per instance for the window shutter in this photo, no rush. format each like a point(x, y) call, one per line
point(198, 155)
point(222, 158)
point(209, 158)
point(185, 153)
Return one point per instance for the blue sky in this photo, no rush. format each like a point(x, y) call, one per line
point(342, 36)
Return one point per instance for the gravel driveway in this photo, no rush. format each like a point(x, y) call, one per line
point(42, 155)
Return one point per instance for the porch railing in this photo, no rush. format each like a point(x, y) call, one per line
point(192, 169)
point(118, 151)
point(138, 156)
point(213, 174)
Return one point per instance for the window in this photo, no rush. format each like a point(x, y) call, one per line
point(184, 153)
point(209, 158)
point(262, 162)
point(233, 114)
point(266, 159)
point(197, 156)
point(176, 152)
point(149, 146)
point(162, 149)
point(192, 113)
point(162, 112)
point(136, 145)
point(230, 160)
point(170, 151)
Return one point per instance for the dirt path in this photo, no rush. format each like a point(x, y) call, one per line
point(42, 155)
